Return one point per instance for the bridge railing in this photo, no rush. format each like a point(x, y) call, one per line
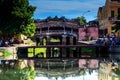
point(63, 51)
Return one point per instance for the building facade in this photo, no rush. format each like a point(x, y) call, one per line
point(88, 33)
point(108, 15)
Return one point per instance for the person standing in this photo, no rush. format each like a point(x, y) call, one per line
point(113, 40)
point(1, 42)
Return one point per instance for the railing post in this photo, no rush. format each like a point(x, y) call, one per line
point(41, 40)
point(64, 43)
point(48, 40)
point(34, 52)
point(64, 39)
point(79, 50)
point(97, 52)
point(71, 40)
point(48, 52)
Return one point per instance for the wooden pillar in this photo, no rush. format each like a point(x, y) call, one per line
point(72, 65)
point(64, 39)
point(52, 53)
point(48, 52)
point(79, 51)
point(71, 40)
point(48, 64)
point(71, 52)
point(60, 40)
point(34, 52)
point(41, 40)
point(64, 63)
point(74, 40)
point(64, 43)
point(60, 52)
point(97, 52)
point(71, 43)
point(41, 65)
point(48, 40)
point(37, 41)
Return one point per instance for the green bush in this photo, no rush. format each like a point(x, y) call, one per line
point(18, 74)
point(88, 50)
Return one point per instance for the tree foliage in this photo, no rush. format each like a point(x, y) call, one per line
point(16, 17)
point(29, 29)
point(81, 20)
point(116, 27)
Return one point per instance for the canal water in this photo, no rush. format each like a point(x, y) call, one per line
point(67, 69)
point(87, 69)
point(85, 76)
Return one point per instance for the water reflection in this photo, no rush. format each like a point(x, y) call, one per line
point(67, 69)
point(75, 69)
point(86, 76)
point(89, 69)
point(88, 63)
point(109, 69)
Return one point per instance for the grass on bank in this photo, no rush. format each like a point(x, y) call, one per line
point(54, 40)
point(5, 53)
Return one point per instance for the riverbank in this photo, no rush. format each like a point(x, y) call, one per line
point(9, 53)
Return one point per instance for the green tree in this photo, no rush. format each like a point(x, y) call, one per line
point(28, 30)
point(16, 17)
point(116, 27)
point(81, 20)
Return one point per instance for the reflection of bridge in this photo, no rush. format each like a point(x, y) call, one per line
point(63, 68)
point(63, 51)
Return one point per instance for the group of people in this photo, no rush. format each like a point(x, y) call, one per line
point(109, 40)
point(6, 43)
